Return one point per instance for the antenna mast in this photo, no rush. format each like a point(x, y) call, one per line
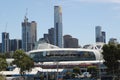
point(26, 19)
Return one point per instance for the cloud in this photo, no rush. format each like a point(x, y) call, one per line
point(99, 1)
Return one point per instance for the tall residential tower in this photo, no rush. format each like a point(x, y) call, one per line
point(100, 35)
point(58, 33)
point(29, 34)
point(15, 44)
point(5, 42)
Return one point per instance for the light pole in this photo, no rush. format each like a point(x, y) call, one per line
point(99, 64)
point(42, 66)
point(57, 63)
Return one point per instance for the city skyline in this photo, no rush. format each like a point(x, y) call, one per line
point(79, 17)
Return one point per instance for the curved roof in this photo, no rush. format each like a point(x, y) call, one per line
point(98, 46)
point(45, 46)
point(96, 52)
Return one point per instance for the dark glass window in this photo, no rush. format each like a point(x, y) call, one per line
point(63, 56)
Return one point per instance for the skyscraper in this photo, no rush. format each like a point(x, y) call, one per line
point(29, 34)
point(15, 44)
point(103, 37)
point(113, 40)
point(58, 34)
point(70, 42)
point(100, 35)
point(5, 42)
point(50, 36)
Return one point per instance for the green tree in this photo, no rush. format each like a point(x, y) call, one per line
point(76, 70)
point(118, 52)
point(111, 55)
point(8, 55)
point(3, 63)
point(2, 56)
point(92, 70)
point(23, 61)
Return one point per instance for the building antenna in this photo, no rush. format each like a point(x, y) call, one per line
point(26, 19)
point(26, 12)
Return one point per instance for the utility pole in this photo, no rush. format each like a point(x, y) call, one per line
point(57, 63)
point(99, 67)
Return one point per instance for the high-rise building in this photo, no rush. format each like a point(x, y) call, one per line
point(15, 44)
point(5, 42)
point(50, 36)
point(29, 34)
point(70, 42)
point(103, 37)
point(113, 40)
point(46, 38)
point(100, 35)
point(58, 32)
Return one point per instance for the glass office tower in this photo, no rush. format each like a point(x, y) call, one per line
point(58, 34)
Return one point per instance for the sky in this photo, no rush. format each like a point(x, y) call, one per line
point(79, 17)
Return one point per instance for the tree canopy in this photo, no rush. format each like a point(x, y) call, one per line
point(23, 61)
point(111, 55)
point(76, 70)
point(3, 63)
point(93, 70)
